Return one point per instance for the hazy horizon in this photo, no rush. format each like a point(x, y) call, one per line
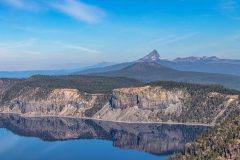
point(58, 34)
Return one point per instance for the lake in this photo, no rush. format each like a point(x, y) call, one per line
point(67, 138)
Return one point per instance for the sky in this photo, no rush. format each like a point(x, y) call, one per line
point(56, 34)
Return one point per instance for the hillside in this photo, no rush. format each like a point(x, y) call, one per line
point(118, 99)
point(221, 142)
point(89, 84)
point(104, 69)
point(152, 71)
point(59, 95)
point(170, 102)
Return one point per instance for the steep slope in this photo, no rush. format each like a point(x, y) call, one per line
point(152, 71)
point(170, 102)
point(104, 69)
point(222, 142)
point(5, 84)
point(118, 99)
point(151, 57)
point(59, 96)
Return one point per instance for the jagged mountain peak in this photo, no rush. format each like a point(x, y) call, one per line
point(152, 56)
point(194, 59)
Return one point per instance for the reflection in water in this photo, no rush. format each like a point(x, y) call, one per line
point(157, 139)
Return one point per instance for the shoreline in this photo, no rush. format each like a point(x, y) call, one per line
point(102, 120)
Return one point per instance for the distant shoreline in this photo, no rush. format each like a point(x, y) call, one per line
point(126, 122)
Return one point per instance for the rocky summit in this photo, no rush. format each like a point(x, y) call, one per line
point(152, 56)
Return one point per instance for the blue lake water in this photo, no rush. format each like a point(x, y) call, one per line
point(14, 147)
point(71, 139)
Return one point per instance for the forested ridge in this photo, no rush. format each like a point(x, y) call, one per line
point(220, 142)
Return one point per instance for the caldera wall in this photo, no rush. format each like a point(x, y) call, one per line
point(172, 104)
point(58, 102)
point(161, 104)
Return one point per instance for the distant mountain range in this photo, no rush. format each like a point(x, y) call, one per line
point(205, 70)
point(26, 74)
point(152, 71)
point(204, 64)
point(195, 64)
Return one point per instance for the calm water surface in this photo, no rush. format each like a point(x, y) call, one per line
point(71, 139)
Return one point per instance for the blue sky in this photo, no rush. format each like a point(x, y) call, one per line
point(51, 34)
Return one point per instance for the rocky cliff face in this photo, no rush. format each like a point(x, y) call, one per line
point(59, 102)
point(178, 103)
point(150, 98)
point(158, 104)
